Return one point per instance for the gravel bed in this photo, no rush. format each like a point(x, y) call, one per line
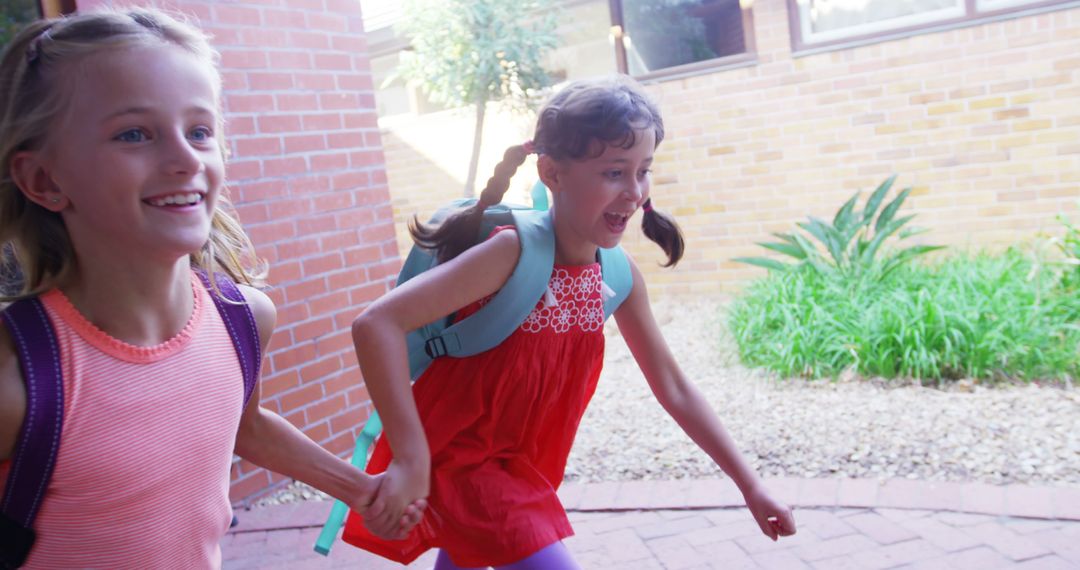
point(842, 428)
point(797, 428)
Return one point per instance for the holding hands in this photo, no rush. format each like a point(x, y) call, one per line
point(397, 503)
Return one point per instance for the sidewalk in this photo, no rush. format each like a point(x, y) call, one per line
point(851, 523)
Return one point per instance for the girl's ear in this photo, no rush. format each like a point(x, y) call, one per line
point(548, 168)
point(29, 174)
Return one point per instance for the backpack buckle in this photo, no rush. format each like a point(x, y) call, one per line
point(435, 347)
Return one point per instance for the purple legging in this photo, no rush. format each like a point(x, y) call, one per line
point(551, 557)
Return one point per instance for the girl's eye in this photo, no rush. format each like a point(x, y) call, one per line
point(132, 136)
point(644, 173)
point(201, 134)
point(613, 174)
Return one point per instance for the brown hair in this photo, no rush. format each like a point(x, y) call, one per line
point(35, 247)
point(610, 110)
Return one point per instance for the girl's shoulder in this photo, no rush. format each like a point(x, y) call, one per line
point(262, 309)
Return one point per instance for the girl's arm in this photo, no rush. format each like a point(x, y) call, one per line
point(379, 334)
point(268, 440)
point(685, 404)
point(12, 396)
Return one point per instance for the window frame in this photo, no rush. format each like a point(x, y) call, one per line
point(972, 15)
point(748, 57)
point(56, 8)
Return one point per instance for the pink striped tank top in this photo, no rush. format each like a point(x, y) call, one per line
point(142, 475)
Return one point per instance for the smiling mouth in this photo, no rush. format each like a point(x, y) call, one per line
point(616, 221)
point(180, 199)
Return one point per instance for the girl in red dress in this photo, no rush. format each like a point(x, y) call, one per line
point(485, 438)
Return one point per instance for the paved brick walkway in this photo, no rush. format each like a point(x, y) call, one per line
point(859, 524)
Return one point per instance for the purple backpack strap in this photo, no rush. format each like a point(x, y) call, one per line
point(240, 323)
point(39, 438)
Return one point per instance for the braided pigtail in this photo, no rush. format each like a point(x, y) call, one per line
point(460, 230)
point(662, 229)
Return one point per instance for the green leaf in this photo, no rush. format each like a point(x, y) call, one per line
point(911, 232)
point(765, 262)
point(881, 236)
point(876, 198)
point(813, 257)
point(785, 248)
point(827, 236)
point(890, 210)
point(905, 255)
point(843, 216)
point(786, 237)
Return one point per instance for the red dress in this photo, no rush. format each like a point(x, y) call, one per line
point(500, 425)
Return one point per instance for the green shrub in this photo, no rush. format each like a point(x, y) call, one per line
point(1069, 245)
point(853, 245)
point(991, 317)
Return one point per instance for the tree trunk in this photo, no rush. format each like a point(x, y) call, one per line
point(470, 181)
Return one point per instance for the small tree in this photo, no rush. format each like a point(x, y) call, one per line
point(14, 14)
point(472, 52)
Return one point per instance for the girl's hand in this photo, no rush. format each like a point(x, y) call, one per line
point(773, 517)
point(363, 496)
point(399, 501)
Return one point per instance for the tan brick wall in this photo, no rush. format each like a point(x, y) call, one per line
point(983, 121)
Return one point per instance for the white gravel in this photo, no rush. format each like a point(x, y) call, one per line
point(843, 428)
point(798, 428)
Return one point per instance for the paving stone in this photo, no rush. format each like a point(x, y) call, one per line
point(836, 547)
point(1046, 563)
point(825, 524)
point(819, 492)
point(671, 527)
point(880, 528)
point(1008, 542)
point(723, 552)
point(1065, 546)
point(941, 535)
point(723, 516)
point(623, 520)
point(898, 515)
point(964, 519)
point(761, 543)
point(836, 563)
point(898, 554)
point(780, 560)
point(978, 558)
point(1029, 501)
point(1028, 526)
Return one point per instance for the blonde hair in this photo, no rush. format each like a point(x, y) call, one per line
point(35, 248)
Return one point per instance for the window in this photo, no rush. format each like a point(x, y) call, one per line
point(657, 38)
point(817, 24)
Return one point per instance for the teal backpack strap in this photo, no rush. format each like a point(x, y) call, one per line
point(615, 269)
point(497, 319)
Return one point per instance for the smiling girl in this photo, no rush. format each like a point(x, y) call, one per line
point(113, 202)
point(485, 438)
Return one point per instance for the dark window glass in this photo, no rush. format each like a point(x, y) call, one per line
point(665, 34)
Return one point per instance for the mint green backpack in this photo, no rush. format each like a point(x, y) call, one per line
point(497, 319)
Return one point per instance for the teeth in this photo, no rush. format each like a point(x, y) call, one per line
point(183, 199)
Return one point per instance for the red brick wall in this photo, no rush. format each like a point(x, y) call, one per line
point(307, 174)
